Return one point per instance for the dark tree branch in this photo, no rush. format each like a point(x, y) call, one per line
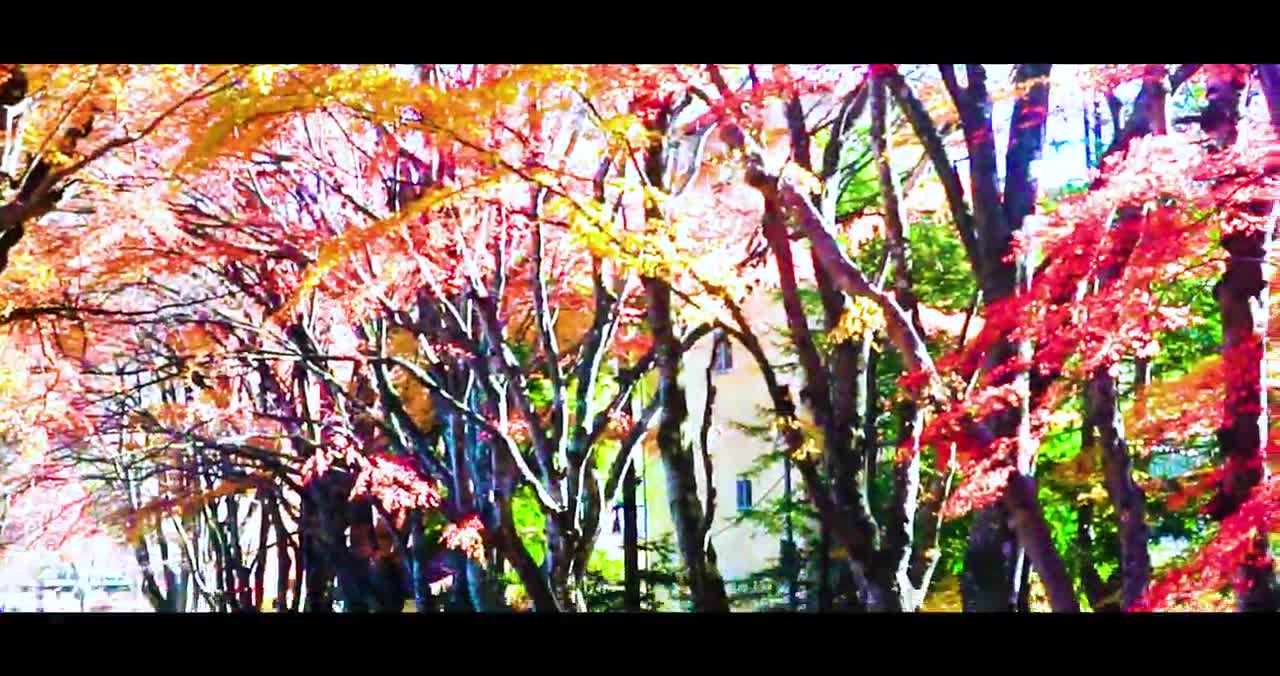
point(931, 139)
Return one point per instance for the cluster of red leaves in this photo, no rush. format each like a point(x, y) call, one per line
point(467, 537)
point(1236, 73)
point(953, 425)
point(396, 484)
point(317, 466)
point(391, 480)
point(1243, 365)
point(912, 383)
point(632, 341)
point(1076, 334)
point(1209, 481)
point(1193, 586)
point(990, 478)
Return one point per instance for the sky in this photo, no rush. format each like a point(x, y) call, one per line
point(1063, 158)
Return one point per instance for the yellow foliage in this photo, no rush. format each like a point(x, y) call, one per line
point(1097, 495)
point(171, 416)
point(336, 250)
point(628, 130)
point(571, 325)
point(401, 342)
point(650, 442)
point(1082, 470)
point(655, 252)
point(11, 380)
point(944, 597)
point(263, 77)
point(1064, 420)
point(146, 517)
point(376, 93)
point(56, 158)
point(33, 274)
point(192, 341)
point(416, 398)
point(219, 397)
point(802, 179)
point(811, 449)
point(862, 317)
point(1168, 407)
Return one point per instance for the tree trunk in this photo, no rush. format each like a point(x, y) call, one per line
point(355, 583)
point(560, 546)
point(317, 537)
point(895, 559)
point(159, 600)
point(423, 599)
point(705, 582)
point(988, 563)
point(1102, 411)
point(991, 564)
point(630, 542)
point(1003, 532)
point(283, 563)
point(535, 582)
point(1242, 296)
point(1126, 496)
point(260, 554)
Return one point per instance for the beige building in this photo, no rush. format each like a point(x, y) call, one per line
point(741, 398)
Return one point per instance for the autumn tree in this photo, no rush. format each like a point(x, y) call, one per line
point(381, 332)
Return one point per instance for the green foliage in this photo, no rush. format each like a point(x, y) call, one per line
point(1061, 515)
point(662, 580)
point(540, 392)
point(523, 354)
point(939, 267)
point(860, 189)
point(770, 515)
point(529, 520)
point(1189, 100)
point(953, 543)
point(1182, 348)
point(1059, 446)
point(766, 589)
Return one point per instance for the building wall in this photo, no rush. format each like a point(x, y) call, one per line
point(94, 558)
point(740, 398)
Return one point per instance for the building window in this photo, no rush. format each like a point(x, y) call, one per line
point(721, 352)
point(618, 514)
point(744, 495)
